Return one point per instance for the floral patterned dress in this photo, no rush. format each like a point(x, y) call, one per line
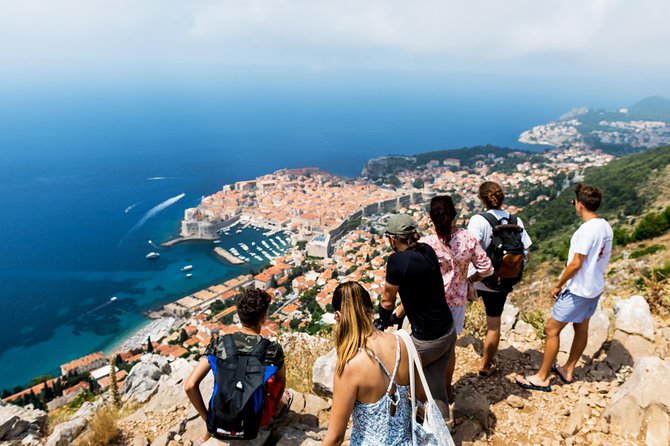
point(455, 257)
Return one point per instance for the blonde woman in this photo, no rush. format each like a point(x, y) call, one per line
point(372, 376)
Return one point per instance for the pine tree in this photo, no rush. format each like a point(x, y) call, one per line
point(183, 335)
point(113, 387)
point(150, 347)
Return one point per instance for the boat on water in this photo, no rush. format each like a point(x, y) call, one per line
point(238, 231)
point(113, 298)
point(187, 268)
point(216, 242)
point(152, 255)
point(189, 275)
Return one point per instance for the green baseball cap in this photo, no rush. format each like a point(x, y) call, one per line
point(400, 224)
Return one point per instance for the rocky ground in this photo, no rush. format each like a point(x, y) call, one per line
point(620, 396)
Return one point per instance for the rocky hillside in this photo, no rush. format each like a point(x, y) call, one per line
point(620, 396)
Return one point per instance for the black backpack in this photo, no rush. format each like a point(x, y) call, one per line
point(506, 252)
point(235, 408)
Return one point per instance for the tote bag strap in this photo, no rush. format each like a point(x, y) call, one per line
point(416, 360)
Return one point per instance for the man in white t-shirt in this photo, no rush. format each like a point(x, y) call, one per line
point(584, 280)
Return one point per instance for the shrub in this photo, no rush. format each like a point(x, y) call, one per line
point(646, 251)
point(536, 319)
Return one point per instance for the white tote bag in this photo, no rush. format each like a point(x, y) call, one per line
point(434, 431)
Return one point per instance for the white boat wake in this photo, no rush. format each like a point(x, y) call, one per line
point(156, 178)
point(150, 213)
point(130, 208)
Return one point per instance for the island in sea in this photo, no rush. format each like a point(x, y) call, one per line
point(318, 229)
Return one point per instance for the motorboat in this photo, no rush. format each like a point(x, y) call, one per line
point(152, 255)
point(187, 268)
point(113, 298)
point(189, 275)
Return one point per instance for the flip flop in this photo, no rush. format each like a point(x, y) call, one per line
point(489, 372)
point(531, 386)
point(555, 369)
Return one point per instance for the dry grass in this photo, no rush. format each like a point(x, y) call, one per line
point(301, 351)
point(475, 319)
point(102, 430)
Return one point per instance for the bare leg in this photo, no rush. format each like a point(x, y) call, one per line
point(577, 348)
point(491, 342)
point(553, 329)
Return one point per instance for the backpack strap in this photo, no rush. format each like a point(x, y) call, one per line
point(493, 221)
point(512, 220)
point(260, 348)
point(229, 345)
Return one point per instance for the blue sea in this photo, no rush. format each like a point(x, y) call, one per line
point(80, 167)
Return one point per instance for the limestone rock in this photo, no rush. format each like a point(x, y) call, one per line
point(18, 423)
point(525, 330)
point(323, 373)
point(663, 342)
point(65, 433)
point(627, 349)
point(508, 317)
point(577, 417)
point(515, 401)
point(315, 405)
point(633, 317)
point(633, 401)
point(471, 404)
point(142, 381)
point(658, 427)
point(599, 327)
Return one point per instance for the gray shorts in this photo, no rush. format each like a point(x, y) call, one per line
point(434, 357)
point(572, 308)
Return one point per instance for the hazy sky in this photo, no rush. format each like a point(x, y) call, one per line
point(617, 43)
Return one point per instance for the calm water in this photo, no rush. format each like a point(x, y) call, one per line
point(73, 163)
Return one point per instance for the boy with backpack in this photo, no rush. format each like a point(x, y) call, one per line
point(506, 242)
point(249, 375)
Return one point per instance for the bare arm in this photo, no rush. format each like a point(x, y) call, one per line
point(344, 397)
point(388, 298)
point(569, 272)
point(192, 386)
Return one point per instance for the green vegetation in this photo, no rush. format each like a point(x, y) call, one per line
point(622, 181)
point(646, 251)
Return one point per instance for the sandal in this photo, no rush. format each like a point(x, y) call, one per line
point(489, 372)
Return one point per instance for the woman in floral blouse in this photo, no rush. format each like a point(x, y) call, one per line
point(456, 249)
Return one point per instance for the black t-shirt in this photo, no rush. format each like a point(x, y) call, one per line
point(417, 274)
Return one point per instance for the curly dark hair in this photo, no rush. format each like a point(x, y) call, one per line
point(252, 306)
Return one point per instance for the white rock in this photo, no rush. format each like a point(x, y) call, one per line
point(142, 381)
point(633, 317)
point(323, 373)
point(632, 402)
point(65, 433)
point(17, 423)
point(599, 327)
point(508, 317)
point(525, 330)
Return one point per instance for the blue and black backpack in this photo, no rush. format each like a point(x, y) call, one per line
point(236, 406)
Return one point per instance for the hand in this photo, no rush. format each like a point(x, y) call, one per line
point(472, 293)
point(379, 325)
point(396, 320)
point(555, 292)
